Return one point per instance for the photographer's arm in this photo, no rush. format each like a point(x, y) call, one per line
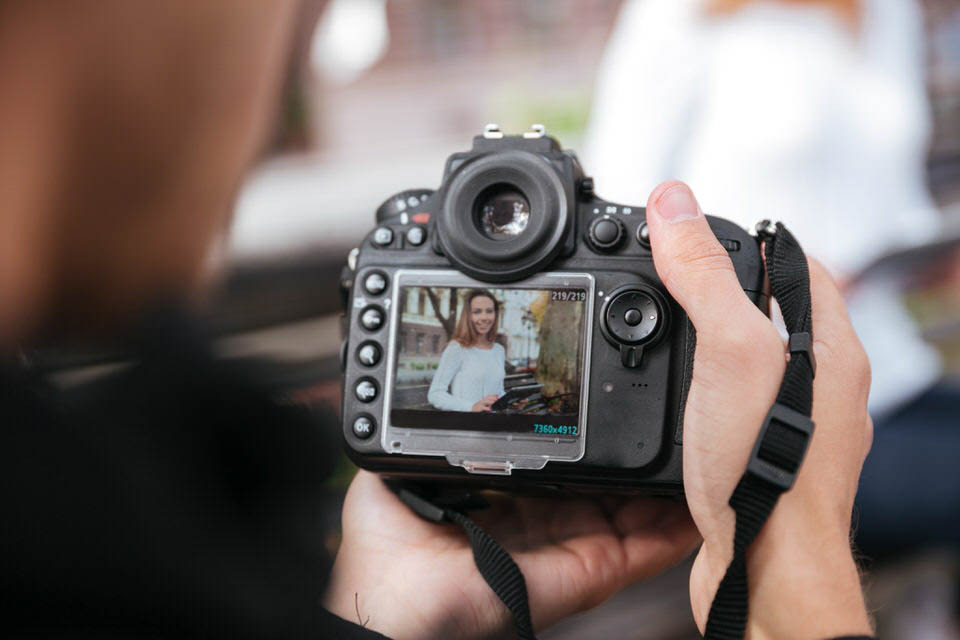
point(802, 577)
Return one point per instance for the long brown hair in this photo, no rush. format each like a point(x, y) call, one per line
point(465, 333)
point(849, 10)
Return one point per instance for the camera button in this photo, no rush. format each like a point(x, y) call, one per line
point(375, 283)
point(369, 354)
point(416, 236)
point(643, 235)
point(383, 236)
point(372, 318)
point(366, 390)
point(364, 426)
point(632, 317)
point(605, 234)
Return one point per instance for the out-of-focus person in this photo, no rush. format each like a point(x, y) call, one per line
point(814, 113)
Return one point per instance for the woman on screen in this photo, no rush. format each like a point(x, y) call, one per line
point(471, 370)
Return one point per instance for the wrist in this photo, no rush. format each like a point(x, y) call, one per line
point(803, 580)
point(383, 602)
point(805, 586)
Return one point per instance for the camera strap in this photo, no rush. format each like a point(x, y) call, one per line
point(771, 470)
point(496, 566)
point(784, 436)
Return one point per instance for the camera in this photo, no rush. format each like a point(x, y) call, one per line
point(509, 330)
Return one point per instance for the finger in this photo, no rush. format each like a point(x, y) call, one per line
point(831, 323)
point(836, 346)
point(651, 550)
point(690, 261)
point(843, 369)
point(367, 488)
point(592, 563)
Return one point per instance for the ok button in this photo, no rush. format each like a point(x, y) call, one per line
point(364, 426)
point(366, 390)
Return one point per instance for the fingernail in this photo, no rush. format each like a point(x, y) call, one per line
point(677, 204)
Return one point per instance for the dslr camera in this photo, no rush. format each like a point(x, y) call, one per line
point(509, 330)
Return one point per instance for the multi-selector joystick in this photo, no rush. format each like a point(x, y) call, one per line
point(634, 316)
point(605, 234)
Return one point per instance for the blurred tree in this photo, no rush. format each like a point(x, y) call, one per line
point(449, 321)
point(539, 306)
point(558, 366)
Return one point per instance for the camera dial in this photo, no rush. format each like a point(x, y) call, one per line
point(407, 201)
point(633, 317)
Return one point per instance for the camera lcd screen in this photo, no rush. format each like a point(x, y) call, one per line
point(490, 359)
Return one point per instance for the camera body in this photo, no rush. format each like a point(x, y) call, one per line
point(509, 330)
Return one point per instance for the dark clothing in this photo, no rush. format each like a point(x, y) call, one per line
point(909, 494)
point(176, 498)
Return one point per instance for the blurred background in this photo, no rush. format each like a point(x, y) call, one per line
point(841, 117)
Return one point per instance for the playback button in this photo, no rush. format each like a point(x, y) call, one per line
point(375, 283)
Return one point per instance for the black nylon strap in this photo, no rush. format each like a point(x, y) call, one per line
point(496, 566)
point(783, 441)
point(501, 573)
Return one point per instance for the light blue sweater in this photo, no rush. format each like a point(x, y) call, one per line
point(467, 375)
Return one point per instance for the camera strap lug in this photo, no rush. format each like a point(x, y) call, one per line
point(765, 230)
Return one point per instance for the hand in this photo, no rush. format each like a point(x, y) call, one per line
point(486, 403)
point(802, 577)
point(408, 578)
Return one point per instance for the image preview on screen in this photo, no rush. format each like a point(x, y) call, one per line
point(494, 359)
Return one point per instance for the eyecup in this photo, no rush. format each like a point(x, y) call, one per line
point(512, 259)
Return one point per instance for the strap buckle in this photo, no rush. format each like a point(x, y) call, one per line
point(802, 343)
point(781, 446)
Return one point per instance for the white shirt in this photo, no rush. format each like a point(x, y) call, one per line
point(781, 111)
point(466, 375)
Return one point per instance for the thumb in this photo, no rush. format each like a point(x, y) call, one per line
point(690, 261)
